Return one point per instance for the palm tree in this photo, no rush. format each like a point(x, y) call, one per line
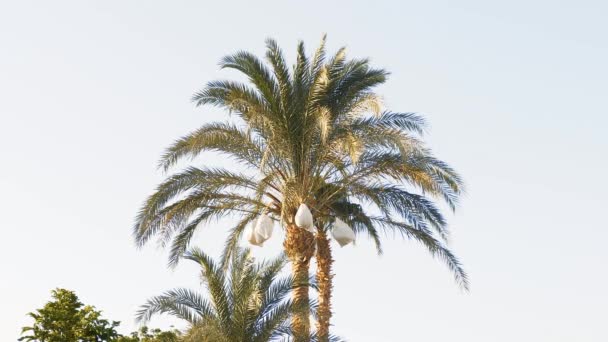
point(315, 135)
point(245, 303)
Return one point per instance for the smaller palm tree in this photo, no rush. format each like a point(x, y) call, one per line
point(246, 302)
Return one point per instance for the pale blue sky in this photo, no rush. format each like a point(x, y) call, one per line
point(91, 93)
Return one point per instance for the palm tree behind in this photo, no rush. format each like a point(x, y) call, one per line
point(312, 135)
point(245, 303)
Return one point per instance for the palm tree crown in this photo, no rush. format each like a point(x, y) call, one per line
point(313, 134)
point(245, 303)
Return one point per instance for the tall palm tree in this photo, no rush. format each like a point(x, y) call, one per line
point(245, 303)
point(315, 135)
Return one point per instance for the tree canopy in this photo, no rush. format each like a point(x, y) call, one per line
point(66, 319)
point(144, 334)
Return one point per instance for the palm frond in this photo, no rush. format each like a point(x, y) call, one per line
point(258, 75)
point(404, 122)
point(434, 246)
point(181, 303)
point(216, 283)
point(221, 137)
point(275, 57)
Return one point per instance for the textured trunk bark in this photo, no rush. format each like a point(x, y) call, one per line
point(300, 247)
point(324, 281)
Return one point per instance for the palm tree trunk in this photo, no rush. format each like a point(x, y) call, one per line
point(300, 247)
point(324, 281)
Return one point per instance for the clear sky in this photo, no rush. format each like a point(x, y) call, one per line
point(91, 92)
